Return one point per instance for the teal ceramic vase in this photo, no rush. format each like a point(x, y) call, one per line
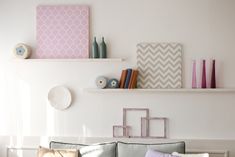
point(103, 51)
point(113, 83)
point(95, 49)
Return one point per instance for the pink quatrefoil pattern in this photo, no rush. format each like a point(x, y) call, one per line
point(62, 32)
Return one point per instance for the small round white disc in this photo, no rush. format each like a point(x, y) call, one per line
point(59, 97)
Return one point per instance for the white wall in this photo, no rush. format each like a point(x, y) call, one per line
point(206, 28)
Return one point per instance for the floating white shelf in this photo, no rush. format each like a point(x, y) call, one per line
point(74, 60)
point(207, 90)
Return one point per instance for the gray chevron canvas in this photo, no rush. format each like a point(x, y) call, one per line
point(159, 65)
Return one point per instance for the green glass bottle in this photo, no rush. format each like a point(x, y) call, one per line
point(103, 51)
point(95, 49)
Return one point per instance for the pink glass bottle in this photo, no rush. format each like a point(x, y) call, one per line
point(213, 78)
point(194, 75)
point(203, 85)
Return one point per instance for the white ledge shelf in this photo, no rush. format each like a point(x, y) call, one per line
point(74, 60)
point(185, 90)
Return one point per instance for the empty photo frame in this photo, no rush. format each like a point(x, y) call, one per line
point(138, 124)
point(118, 131)
point(132, 117)
point(153, 127)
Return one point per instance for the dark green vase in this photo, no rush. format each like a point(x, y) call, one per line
point(95, 49)
point(103, 52)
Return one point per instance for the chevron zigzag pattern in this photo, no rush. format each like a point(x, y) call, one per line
point(159, 65)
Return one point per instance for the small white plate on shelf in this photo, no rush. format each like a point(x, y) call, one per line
point(59, 97)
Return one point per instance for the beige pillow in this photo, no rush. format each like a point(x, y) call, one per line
point(45, 152)
point(191, 155)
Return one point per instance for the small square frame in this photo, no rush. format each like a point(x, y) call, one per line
point(127, 128)
point(147, 120)
point(125, 131)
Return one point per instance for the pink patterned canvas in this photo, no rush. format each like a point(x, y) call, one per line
point(62, 32)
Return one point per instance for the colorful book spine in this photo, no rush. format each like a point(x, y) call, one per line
point(134, 81)
point(131, 79)
point(128, 77)
point(123, 79)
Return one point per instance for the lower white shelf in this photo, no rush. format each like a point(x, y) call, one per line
point(190, 90)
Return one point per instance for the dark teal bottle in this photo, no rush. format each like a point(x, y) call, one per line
point(95, 49)
point(103, 51)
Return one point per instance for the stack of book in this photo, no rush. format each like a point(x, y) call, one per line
point(128, 78)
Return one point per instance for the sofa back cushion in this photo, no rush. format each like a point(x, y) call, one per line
point(96, 150)
point(140, 149)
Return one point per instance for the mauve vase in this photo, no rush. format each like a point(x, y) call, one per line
point(203, 74)
point(194, 76)
point(213, 79)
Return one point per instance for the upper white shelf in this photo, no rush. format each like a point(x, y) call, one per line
point(75, 60)
point(190, 90)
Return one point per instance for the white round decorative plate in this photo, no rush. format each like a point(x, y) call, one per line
point(59, 97)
